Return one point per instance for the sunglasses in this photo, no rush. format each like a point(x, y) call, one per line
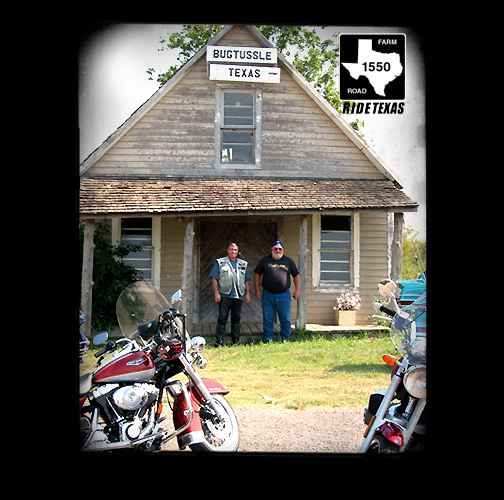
point(277, 248)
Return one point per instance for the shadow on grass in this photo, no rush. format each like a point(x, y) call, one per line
point(362, 368)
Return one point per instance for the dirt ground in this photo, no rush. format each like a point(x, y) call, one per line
point(315, 430)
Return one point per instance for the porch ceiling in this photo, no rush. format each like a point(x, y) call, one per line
point(108, 197)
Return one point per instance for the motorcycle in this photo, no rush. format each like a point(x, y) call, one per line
point(121, 400)
point(82, 340)
point(396, 427)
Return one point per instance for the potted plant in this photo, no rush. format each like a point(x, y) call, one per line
point(346, 309)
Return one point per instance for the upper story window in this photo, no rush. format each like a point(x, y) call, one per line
point(238, 128)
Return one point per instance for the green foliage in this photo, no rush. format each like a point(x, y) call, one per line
point(190, 40)
point(110, 275)
point(316, 59)
point(414, 254)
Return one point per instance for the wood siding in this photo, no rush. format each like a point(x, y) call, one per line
point(373, 264)
point(176, 137)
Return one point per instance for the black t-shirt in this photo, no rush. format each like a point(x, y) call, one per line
point(276, 273)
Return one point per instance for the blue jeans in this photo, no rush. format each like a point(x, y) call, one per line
point(280, 303)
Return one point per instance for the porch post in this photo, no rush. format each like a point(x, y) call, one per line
point(303, 270)
point(87, 276)
point(187, 296)
point(397, 247)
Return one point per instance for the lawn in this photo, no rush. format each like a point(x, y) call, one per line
point(317, 372)
point(313, 372)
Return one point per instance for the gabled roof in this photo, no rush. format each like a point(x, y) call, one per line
point(298, 77)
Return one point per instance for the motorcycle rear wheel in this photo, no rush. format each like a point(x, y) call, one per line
point(219, 436)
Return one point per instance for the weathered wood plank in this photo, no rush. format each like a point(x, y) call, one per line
point(397, 247)
point(303, 272)
point(87, 276)
point(187, 302)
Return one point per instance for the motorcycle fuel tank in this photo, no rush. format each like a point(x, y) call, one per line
point(136, 366)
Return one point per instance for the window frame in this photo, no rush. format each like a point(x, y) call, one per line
point(334, 286)
point(156, 246)
point(148, 248)
point(220, 127)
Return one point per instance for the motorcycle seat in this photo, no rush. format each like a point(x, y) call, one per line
point(85, 384)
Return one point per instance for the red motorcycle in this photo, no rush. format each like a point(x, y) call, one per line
point(121, 400)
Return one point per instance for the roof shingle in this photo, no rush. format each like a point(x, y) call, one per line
point(113, 196)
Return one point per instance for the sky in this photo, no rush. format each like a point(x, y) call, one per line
point(113, 83)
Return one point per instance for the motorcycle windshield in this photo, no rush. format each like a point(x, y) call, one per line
point(409, 330)
point(138, 304)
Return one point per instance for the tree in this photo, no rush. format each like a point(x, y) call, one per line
point(414, 254)
point(110, 275)
point(316, 59)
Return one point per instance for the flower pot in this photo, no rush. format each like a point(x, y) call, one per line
point(345, 318)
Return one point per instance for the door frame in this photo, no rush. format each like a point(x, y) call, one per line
point(244, 219)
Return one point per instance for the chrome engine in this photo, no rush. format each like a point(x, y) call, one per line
point(131, 397)
point(126, 402)
point(128, 414)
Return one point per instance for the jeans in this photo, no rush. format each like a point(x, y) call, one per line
point(280, 303)
point(226, 305)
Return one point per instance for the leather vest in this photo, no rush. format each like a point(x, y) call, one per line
point(226, 275)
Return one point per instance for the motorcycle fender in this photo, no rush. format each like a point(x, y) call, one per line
point(392, 432)
point(194, 433)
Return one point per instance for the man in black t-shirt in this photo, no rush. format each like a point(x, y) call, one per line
point(276, 270)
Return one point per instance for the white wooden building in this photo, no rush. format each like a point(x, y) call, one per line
point(245, 150)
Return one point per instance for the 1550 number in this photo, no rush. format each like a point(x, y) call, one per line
point(376, 66)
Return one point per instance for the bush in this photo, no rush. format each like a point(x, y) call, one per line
point(110, 275)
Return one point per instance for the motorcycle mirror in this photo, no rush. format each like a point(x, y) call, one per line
point(387, 288)
point(100, 338)
point(176, 297)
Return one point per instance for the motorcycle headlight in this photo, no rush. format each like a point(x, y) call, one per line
point(415, 381)
point(198, 344)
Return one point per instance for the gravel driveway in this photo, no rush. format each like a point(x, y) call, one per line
point(315, 430)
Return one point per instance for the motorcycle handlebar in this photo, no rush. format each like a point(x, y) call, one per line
point(386, 309)
point(109, 347)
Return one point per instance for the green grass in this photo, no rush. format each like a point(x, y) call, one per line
point(314, 372)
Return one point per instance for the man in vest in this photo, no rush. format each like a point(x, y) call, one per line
point(230, 281)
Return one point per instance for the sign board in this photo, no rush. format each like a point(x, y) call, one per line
point(234, 73)
point(245, 55)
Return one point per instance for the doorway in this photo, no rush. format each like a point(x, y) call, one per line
point(254, 240)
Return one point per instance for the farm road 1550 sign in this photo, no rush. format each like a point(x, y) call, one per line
point(373, 67)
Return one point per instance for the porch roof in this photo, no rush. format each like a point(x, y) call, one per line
point(113, 197)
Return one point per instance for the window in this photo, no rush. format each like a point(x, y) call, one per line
point(237, 128)
point(335, 248)
point(335, 240)
point(138, 232)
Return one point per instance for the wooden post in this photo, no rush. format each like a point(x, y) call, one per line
point(397, 247)
point(303, 271)
point(87, 276)
point(187, 296)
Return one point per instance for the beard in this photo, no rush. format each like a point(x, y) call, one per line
point(278, 255)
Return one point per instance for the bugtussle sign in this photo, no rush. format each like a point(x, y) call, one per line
point(256, 64)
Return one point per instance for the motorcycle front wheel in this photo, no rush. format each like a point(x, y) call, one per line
point(219, 436)
point(380, 444)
